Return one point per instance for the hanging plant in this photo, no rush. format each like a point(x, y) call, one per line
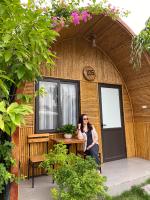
point(140, 43)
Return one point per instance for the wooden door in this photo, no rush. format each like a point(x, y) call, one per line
point(112, 122)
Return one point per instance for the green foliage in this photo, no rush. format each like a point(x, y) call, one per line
point(106, 8)
point(6, 162)
point(147, 181)
point(40, 92)
point(5, 154)
point(5, 177)
point(4, 79)
point(55, 156)
point(64, 9)
point(136, 193)
point(140, 43)
point(76, 178)
point(24, 98)
point(68, 129)
point(25, 40)
point(12, 116)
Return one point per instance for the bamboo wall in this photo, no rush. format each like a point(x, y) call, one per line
point(140, 96)
point(72, 56)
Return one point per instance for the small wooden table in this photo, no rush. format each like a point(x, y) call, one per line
point(68, 142)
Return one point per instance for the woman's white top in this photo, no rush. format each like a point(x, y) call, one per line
point(82, 135)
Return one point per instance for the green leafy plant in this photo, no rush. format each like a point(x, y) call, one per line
point(5, 153)
point(64, 8)
point(76, 178)
point(6, 162)
point(140, 43)
point(67, 129)
point(25, 39)
point(5, 177)
point(12, 116)
point(4, 92)
point(135, 193)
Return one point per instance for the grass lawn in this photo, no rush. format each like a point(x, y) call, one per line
point(136, 193)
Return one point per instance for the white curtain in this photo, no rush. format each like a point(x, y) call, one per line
point(48, 108)
point(68, 103)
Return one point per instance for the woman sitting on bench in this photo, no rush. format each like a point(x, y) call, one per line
point(87, 132)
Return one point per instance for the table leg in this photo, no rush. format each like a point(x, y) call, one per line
point(68, 147)
point(76, 149)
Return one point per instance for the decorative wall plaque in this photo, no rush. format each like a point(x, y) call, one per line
point(89, 73)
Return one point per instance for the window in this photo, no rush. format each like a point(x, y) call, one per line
point(59, 106)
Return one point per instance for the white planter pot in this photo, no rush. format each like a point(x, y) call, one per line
point(67, 136)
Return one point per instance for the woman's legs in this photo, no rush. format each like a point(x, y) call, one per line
point(94, 152)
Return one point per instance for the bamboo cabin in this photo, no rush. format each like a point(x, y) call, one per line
point(93, 75)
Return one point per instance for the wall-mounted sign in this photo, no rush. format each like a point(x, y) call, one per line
point(89, 73)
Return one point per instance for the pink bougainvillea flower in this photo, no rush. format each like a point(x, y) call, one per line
point(76, 18)
point(55, 22)
point(113, 9)
point(54, 18)
point(85, 15)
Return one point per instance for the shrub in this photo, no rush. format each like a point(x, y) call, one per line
point(76, 178)
point(6, 162)
point(5, 177)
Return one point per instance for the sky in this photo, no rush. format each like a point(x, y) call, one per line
point(140, 12)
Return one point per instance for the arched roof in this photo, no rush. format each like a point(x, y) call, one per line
point(114, 38)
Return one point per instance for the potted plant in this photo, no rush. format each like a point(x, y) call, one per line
point(68, 130)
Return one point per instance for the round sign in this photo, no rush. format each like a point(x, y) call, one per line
point(89, 73)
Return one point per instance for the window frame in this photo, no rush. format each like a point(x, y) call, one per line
point(58, 81)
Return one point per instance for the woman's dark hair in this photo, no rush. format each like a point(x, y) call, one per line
point(89, 125)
